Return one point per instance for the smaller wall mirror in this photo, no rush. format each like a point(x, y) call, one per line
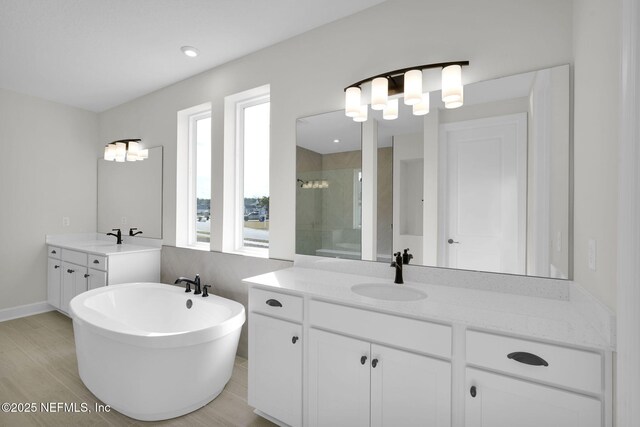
point(329, 186)
point(130, 195)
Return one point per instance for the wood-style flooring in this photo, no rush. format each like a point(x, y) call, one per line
point(38, 365)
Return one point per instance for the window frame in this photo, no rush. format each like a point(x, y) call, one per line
point(192, 211)
point(233, 185)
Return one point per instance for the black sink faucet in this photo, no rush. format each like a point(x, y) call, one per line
point(406, 256)
point(117, 236)
point(131, 232)
point(398, 265)
point(195, 282)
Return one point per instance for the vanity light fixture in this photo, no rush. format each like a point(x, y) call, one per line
point(386, 88)
point(323, 183)
point(125, 150)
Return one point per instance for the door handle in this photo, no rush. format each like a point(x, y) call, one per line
point(451, 241)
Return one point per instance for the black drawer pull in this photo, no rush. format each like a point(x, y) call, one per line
point(527, 358)
point(56, 266)
point(274, 303)
point(95, 261)
point(363, 360)
point(472, 391)
point(70, 271)
point(294, 339)
point(86, 275)
point(374, 363)
point(54, 252)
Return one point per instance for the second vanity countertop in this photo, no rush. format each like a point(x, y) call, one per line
point(99, 247)
point(558, 321)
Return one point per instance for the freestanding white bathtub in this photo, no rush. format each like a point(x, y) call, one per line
point(144, 352)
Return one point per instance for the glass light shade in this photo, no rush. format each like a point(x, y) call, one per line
point(316, 184)
point(121, 151)
point(364, 113)
point(110, 152)
point(456, 102)
point(412, 87)
point(132, 157)
point(324, 184)
point(134, 147)
point(452, 84)
point(352, 101)
point(379, 93)
point(143, 154)
point(422, 107)
point(391, 110)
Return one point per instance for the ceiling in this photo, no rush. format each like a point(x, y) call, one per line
point(96, 54)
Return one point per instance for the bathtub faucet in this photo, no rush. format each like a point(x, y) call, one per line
point(195, 282)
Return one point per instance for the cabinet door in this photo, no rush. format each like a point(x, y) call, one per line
point(96, 279)
point(409, 389)
point(339, 380)
point(54, 282)
point(74, 282)
point(502, 401)
point(275, 368)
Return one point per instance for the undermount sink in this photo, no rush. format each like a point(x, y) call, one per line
point(388, 292)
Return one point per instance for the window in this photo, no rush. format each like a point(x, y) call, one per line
point(246, 185)
point(255, 197)
point(193, 177)
point(200, 189)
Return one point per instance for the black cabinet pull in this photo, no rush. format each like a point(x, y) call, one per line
point(374, 363)
point(472, 391)
point(70, 271)
point(86, 275)
point(363, 360)
point(54, 252)
point(527, 358)
point(56, 266)
point(95, 261)
point(294, 340)
point(274, 303)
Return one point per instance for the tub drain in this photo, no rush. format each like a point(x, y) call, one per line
point(189, 303)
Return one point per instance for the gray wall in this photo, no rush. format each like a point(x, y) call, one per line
point(47, 171)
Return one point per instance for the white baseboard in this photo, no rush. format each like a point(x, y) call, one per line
point(25, 310)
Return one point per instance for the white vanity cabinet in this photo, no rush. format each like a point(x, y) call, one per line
point(358, 382)
point(538, 384)
point(73, 271)
point(275, 355)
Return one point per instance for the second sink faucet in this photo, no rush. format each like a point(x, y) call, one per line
point(195, 282)
point(117, 236)
point(398, 265)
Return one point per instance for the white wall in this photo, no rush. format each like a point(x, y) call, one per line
point(307, 74)
point(596, 113)
point(48, 170)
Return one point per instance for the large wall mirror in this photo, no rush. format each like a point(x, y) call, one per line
point(482, 187)
point(130, 195)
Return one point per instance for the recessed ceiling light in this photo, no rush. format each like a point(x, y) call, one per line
point(190, 51)
point(336, 141)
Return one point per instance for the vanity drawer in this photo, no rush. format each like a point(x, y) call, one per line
point(276, 304)
point(98, 262)
point(411, 334)
point(74, 257)
point(54, 252)
point(567, 367)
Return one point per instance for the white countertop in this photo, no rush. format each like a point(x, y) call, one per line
point(559, 321)
point(97, 246)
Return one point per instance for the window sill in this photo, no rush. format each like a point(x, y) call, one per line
point(197, 247)
point(252, 252)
